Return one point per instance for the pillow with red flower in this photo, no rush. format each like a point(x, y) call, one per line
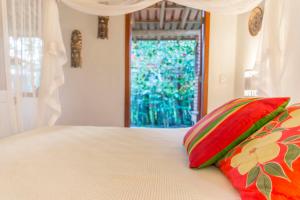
point(267, 164)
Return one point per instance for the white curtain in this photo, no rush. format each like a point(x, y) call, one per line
point(21, 24)
point(32, 57)
point(277, 62)
point(119, 7)
point(54, 58)
point(7, 122)
point(269, 57)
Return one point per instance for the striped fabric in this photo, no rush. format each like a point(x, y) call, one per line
point(224, 128)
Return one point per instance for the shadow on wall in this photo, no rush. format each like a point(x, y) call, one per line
point(93, 94)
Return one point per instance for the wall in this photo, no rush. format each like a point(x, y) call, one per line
point(222, 60)
point(93, 94)
point(246, 52)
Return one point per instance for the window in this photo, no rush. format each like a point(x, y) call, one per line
point(25, 58)
point(250, 90)
point(23, 31)
point(162, 83)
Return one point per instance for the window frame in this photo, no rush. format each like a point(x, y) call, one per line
point(27, 92)
point(202, 101)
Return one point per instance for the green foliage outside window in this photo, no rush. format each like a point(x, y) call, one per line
point(162, 83)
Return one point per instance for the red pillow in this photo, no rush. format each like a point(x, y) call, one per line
point(267, 164)
point(224, 128)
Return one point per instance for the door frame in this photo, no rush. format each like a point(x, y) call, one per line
point(127, 121)
point(203, 101)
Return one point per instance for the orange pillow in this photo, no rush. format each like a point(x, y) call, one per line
point(267, 164)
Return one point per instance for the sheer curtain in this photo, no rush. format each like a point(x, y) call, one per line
point(25, 57)
point(54, 57)
point(6, 118)
point(277, 62)
point(119, 7)
point(21, 52)
point(32, 57)
point(269, 56)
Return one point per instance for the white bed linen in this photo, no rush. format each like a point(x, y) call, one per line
point(93, 163)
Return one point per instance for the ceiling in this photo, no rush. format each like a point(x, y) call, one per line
point(166, 21)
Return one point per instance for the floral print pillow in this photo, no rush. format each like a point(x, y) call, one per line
point(267, 164)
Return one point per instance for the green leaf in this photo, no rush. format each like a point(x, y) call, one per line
point(270, 126)
point(278, 129)
point(292, 138)
point(291, 155)
point(264, 185)
point(252, 175)
point(229, 154)
point(283, 116)
point(262, 133)
point(275, 169)
point(245, 142)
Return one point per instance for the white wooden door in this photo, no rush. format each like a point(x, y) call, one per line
point(5, 123)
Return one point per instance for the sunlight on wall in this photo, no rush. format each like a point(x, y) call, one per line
point(221, 60)
point(246, 51)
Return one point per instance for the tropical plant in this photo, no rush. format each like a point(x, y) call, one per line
point(162, 83)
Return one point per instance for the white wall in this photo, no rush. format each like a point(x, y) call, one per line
point(246, 52)
point(93, 94)
point(222, 60)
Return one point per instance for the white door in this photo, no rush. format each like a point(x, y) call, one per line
point(5, 124)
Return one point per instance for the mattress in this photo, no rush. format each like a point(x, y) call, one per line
point(104, 163)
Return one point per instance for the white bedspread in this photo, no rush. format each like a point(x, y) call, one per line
point(93, 163)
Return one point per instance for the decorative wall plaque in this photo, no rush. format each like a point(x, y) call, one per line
point(103, 27)
point(76, 46)
point(255, 21)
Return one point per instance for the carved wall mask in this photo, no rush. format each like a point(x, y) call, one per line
point(103, 27)
point(76, 46)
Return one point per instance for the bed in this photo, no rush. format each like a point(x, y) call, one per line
point(104, 163)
